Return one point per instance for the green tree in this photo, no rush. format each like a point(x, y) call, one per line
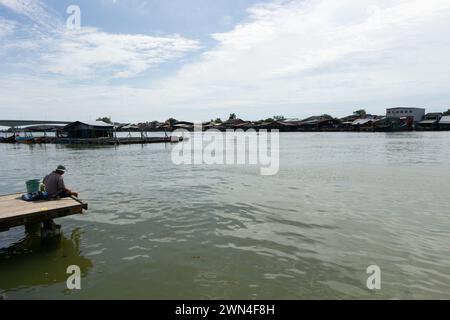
point(171, 121)
point(360, 113)
point(447, 113)
point(232, 116)
point(105, 119)
point(218, 120)
point(279, 118)
point(269, 120)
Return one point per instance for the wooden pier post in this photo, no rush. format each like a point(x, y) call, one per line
point(33, 228)
point(50, 231)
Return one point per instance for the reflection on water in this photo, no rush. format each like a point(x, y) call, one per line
point(32, 262)
point(340, 203)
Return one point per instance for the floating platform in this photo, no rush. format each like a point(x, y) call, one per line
point(16, 212)
point(95, 141)
point(118, 141)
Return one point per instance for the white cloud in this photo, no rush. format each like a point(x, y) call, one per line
point(7, 27)
point(289, 54)
point(35, 10)
point(88, 52)
point(31, 97)
point(295, 53)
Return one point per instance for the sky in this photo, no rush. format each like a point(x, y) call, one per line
point(194, 60)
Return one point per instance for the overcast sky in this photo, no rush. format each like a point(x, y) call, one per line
point(142, 60)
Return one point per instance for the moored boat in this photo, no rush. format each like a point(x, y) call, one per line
point(11, 139)
point(40, 140)
point(26, 139)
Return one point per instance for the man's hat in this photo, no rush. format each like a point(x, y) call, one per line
point(61, 168)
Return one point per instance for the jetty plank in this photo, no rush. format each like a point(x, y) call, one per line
point(16, 212)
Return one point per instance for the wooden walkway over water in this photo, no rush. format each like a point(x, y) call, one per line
point(118, 141)
point(97, 141)
point(16, 212)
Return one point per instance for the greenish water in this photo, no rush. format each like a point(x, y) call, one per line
point(154, 230)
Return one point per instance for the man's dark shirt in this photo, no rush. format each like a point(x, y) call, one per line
point(54, 184)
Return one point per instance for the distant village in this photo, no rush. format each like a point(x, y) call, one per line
point(105, 131)
point(395, 119)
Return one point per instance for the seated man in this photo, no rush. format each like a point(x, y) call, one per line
point(54, 184)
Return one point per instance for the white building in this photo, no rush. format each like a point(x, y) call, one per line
point(402, 112)
point(444, 123)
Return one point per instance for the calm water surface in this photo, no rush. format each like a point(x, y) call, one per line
point(341, 202)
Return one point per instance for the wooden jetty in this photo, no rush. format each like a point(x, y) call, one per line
point(97, 141)
point(118, 141)
point(15, 212)
point(93, 141)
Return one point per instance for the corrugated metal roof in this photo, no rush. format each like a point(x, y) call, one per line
point(130, 127)
point(361, 121)
point(445, 120)
point(182, 125)
point(95, 123)
point(400, 108)
point(291, 122)
point(98, 124)
point(310, 122)
point(428, 121)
